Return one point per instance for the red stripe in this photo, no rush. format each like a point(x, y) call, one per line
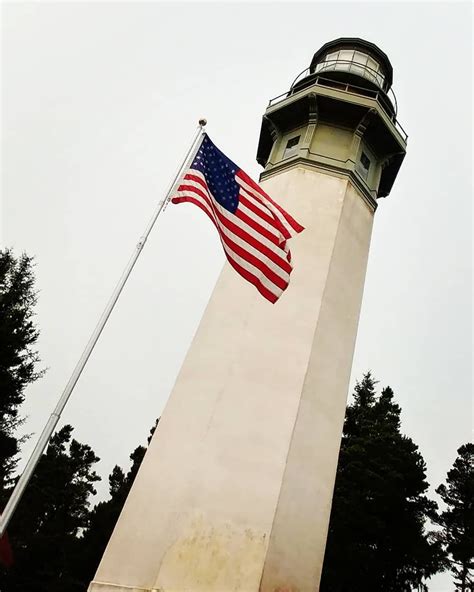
point(196, 178)
point(256, 210)
point(270, 217)
point(241, 270)
point(281, 261)
point(191, 188)
point(256, 262)
point(255, 281)
point(252, 259)
point(291, 221)
point(276, 221)
point(260, 196)
point(258, 227)
point(248, 238)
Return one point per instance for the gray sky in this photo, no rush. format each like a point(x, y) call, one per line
point(99, 103)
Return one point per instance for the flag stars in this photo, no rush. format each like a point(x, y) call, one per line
point(219, 174)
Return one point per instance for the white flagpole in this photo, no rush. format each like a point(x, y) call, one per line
point(56, 414)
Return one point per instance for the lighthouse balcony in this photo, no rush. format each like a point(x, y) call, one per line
point(337, 125)
point(335, 83)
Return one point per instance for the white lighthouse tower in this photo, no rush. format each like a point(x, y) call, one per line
point(234, 493)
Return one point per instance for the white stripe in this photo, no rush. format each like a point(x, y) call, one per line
point(277, 269)
point(269, 210)
point(258, 204)
point(267, 204)
point(252, 197)
point(279, 250)
point(260, 276)
point(251, 214)
point(276, 230)
point(257, 273)
point(262, 279)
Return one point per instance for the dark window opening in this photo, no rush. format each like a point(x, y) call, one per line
point(363, 166)
point(365, 160)
point(291, 147)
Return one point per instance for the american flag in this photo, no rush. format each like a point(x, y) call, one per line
point(253, 229)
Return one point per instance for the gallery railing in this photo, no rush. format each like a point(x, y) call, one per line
point(308, 78)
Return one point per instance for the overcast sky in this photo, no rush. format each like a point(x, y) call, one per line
point(99, 103)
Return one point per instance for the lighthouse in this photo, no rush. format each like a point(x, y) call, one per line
point(234, 492)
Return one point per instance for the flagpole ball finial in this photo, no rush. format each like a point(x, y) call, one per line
point(202, 122)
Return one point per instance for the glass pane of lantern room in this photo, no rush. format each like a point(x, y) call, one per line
point(379, 79)
point(356, 69)
point(346, 54)
point(373, 67)
point(372, 63)
point(331, 59)
point(360, 58)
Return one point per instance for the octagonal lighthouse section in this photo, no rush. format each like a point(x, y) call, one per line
point(234, 493)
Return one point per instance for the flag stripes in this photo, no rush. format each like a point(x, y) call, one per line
point(253, 235)
point(230, 241)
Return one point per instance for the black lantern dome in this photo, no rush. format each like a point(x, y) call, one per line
point(352, 59)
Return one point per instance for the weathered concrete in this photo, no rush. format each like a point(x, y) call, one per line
point(235, 490)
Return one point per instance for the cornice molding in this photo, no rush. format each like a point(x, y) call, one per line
point(327, 169)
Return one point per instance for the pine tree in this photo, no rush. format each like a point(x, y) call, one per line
point(457, 521)
point(18, 358)
point(53, 511)
point(377, 538)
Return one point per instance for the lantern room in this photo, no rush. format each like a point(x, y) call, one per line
point(339, 116)
point(352, 59)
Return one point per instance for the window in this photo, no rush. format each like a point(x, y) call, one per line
point(372, 69)
point(346, 54)
point(372, 64)
point(363, 166)
point(359, 63)
point(291, 147)
point(356, 62)
point(329, 62)
point(360, 58)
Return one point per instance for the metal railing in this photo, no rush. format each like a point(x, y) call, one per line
point(351, 67)
point(300, 85)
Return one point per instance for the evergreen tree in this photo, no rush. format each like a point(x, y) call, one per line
point(457, 521)
point(104, 516)
point(18, 358)
point(377, 539)
point(53, 511)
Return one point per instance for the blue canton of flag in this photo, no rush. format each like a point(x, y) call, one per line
point(219, 172)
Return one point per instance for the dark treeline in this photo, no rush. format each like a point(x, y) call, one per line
point(377, 529)
point(385, 533)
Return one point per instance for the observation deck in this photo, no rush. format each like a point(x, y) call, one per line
point(347, 89)
point(306, 79)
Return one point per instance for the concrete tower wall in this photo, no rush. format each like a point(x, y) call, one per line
point(235, 490)
point(297, 543)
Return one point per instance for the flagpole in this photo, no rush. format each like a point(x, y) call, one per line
point(56, 414)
